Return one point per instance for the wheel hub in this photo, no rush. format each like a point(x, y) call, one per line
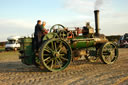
point(56, 54)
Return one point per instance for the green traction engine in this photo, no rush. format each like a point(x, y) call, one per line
point(61, 46)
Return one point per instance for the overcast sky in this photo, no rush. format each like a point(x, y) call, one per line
point(18, 17)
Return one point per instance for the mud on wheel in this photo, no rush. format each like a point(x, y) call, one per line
point(55, 55)
point(108, 53)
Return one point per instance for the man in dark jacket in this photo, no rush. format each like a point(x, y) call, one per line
point(38, 34)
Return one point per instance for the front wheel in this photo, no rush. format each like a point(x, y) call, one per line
point(55, 55)
point(108, 53)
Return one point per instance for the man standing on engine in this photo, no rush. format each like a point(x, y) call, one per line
point(38, 35)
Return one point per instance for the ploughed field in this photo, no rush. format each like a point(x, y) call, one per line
point(13, 72)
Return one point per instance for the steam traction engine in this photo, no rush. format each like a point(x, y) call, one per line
point(61, 46)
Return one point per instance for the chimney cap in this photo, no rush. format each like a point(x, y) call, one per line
point(96, 10)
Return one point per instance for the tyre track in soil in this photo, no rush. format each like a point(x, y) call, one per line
point(78, 73)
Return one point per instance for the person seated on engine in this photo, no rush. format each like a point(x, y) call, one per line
point(88, 31)
point(78, 31)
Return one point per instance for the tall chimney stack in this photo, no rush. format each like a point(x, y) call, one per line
point(96, 13)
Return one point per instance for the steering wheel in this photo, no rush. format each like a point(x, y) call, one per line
point(56, 27)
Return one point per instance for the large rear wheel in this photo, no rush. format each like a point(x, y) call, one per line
point(55, 55)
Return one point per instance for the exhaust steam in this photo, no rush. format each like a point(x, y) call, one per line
point(98, 4)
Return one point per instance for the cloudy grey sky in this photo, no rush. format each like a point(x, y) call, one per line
point(18, 17)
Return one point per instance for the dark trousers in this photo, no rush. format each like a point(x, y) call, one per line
point(37, 41)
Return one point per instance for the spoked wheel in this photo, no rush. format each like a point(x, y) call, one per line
point(55, 55)
point(109, 53)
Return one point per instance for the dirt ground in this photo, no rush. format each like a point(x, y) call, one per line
point(13, 72)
